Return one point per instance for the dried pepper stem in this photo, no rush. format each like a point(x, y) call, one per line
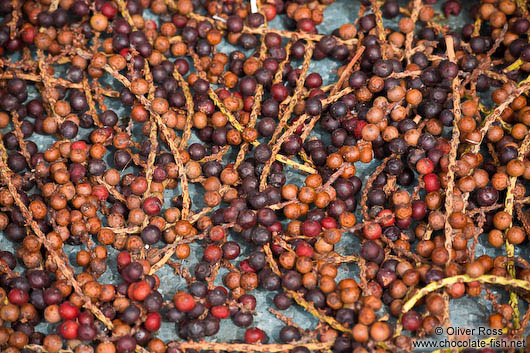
point(508, 208)
point(167, 136)
point(310, 308)
point(122, 6)
point(413, 73)
point(285, 319)
point(379, 21)
point(296, 95)
point(276, 145)
point(264, 30)
point(216, 156)
point(153, 133)
point(53, 5)
point(416, 7)
point(91, 105)
point(476, 26)
point(20, 137)
point(515, 65)
point(296, 35)
point(43, 70)
point(455, 141)
point(170, 249)
point(335, 175)
point(15, 15)
point(256, 108)
point(489, 279)
point(239, 128)
point(276, 149)
point(243, 347)
point(491, 118)
point(189, 108)
point(39, 348)
point(347, 71)
point(56, 81)
point(111, 189)
point(369, 182)
point(278, 76)
point(332, 98)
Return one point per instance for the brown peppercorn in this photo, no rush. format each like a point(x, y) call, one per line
point(380, 331)
point(99, 22)
point(502, 220)
point(515, 235)
point(474, 269)
point(232, 280)
point(306, 195)
point(139, 86)
point(159, 105)
point(304, 264)
point(249, 134)
point(249, 281)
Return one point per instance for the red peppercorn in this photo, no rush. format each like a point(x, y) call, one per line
point(411, 320)
point(124, 52)
point(100, 192)
point(248, 103)
point(220, 311)
point(109, 10)
point(184, 301)
point(248, 301)
point(404, 223)
point(387, 216)
point(79, 145)
point(372, 230)
point(432, 182)
point(68, 329)
point(223, 93)
point(213, 253)
point(254, 335)
point(222, 288)
point(425, 166)
point(153, 321)
point(217, 233)
point(313, 80)
point(457, 290)
point(316, 92)
point(152, 206)
point(28, 34)
point(17, 296)
point(140, 290)
point(328, 223)
point(311, 228)
point(150, 24)
point(279, 92)
point(245, 266)
point(306, 25)
point(85, 318)
point(68, 311)
point(277, 249)
point(304, 249)
point(359, 128)
point(300, 129)
point(270, 11)
point(275, 227)
point(419, 209)
point(123, 259)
